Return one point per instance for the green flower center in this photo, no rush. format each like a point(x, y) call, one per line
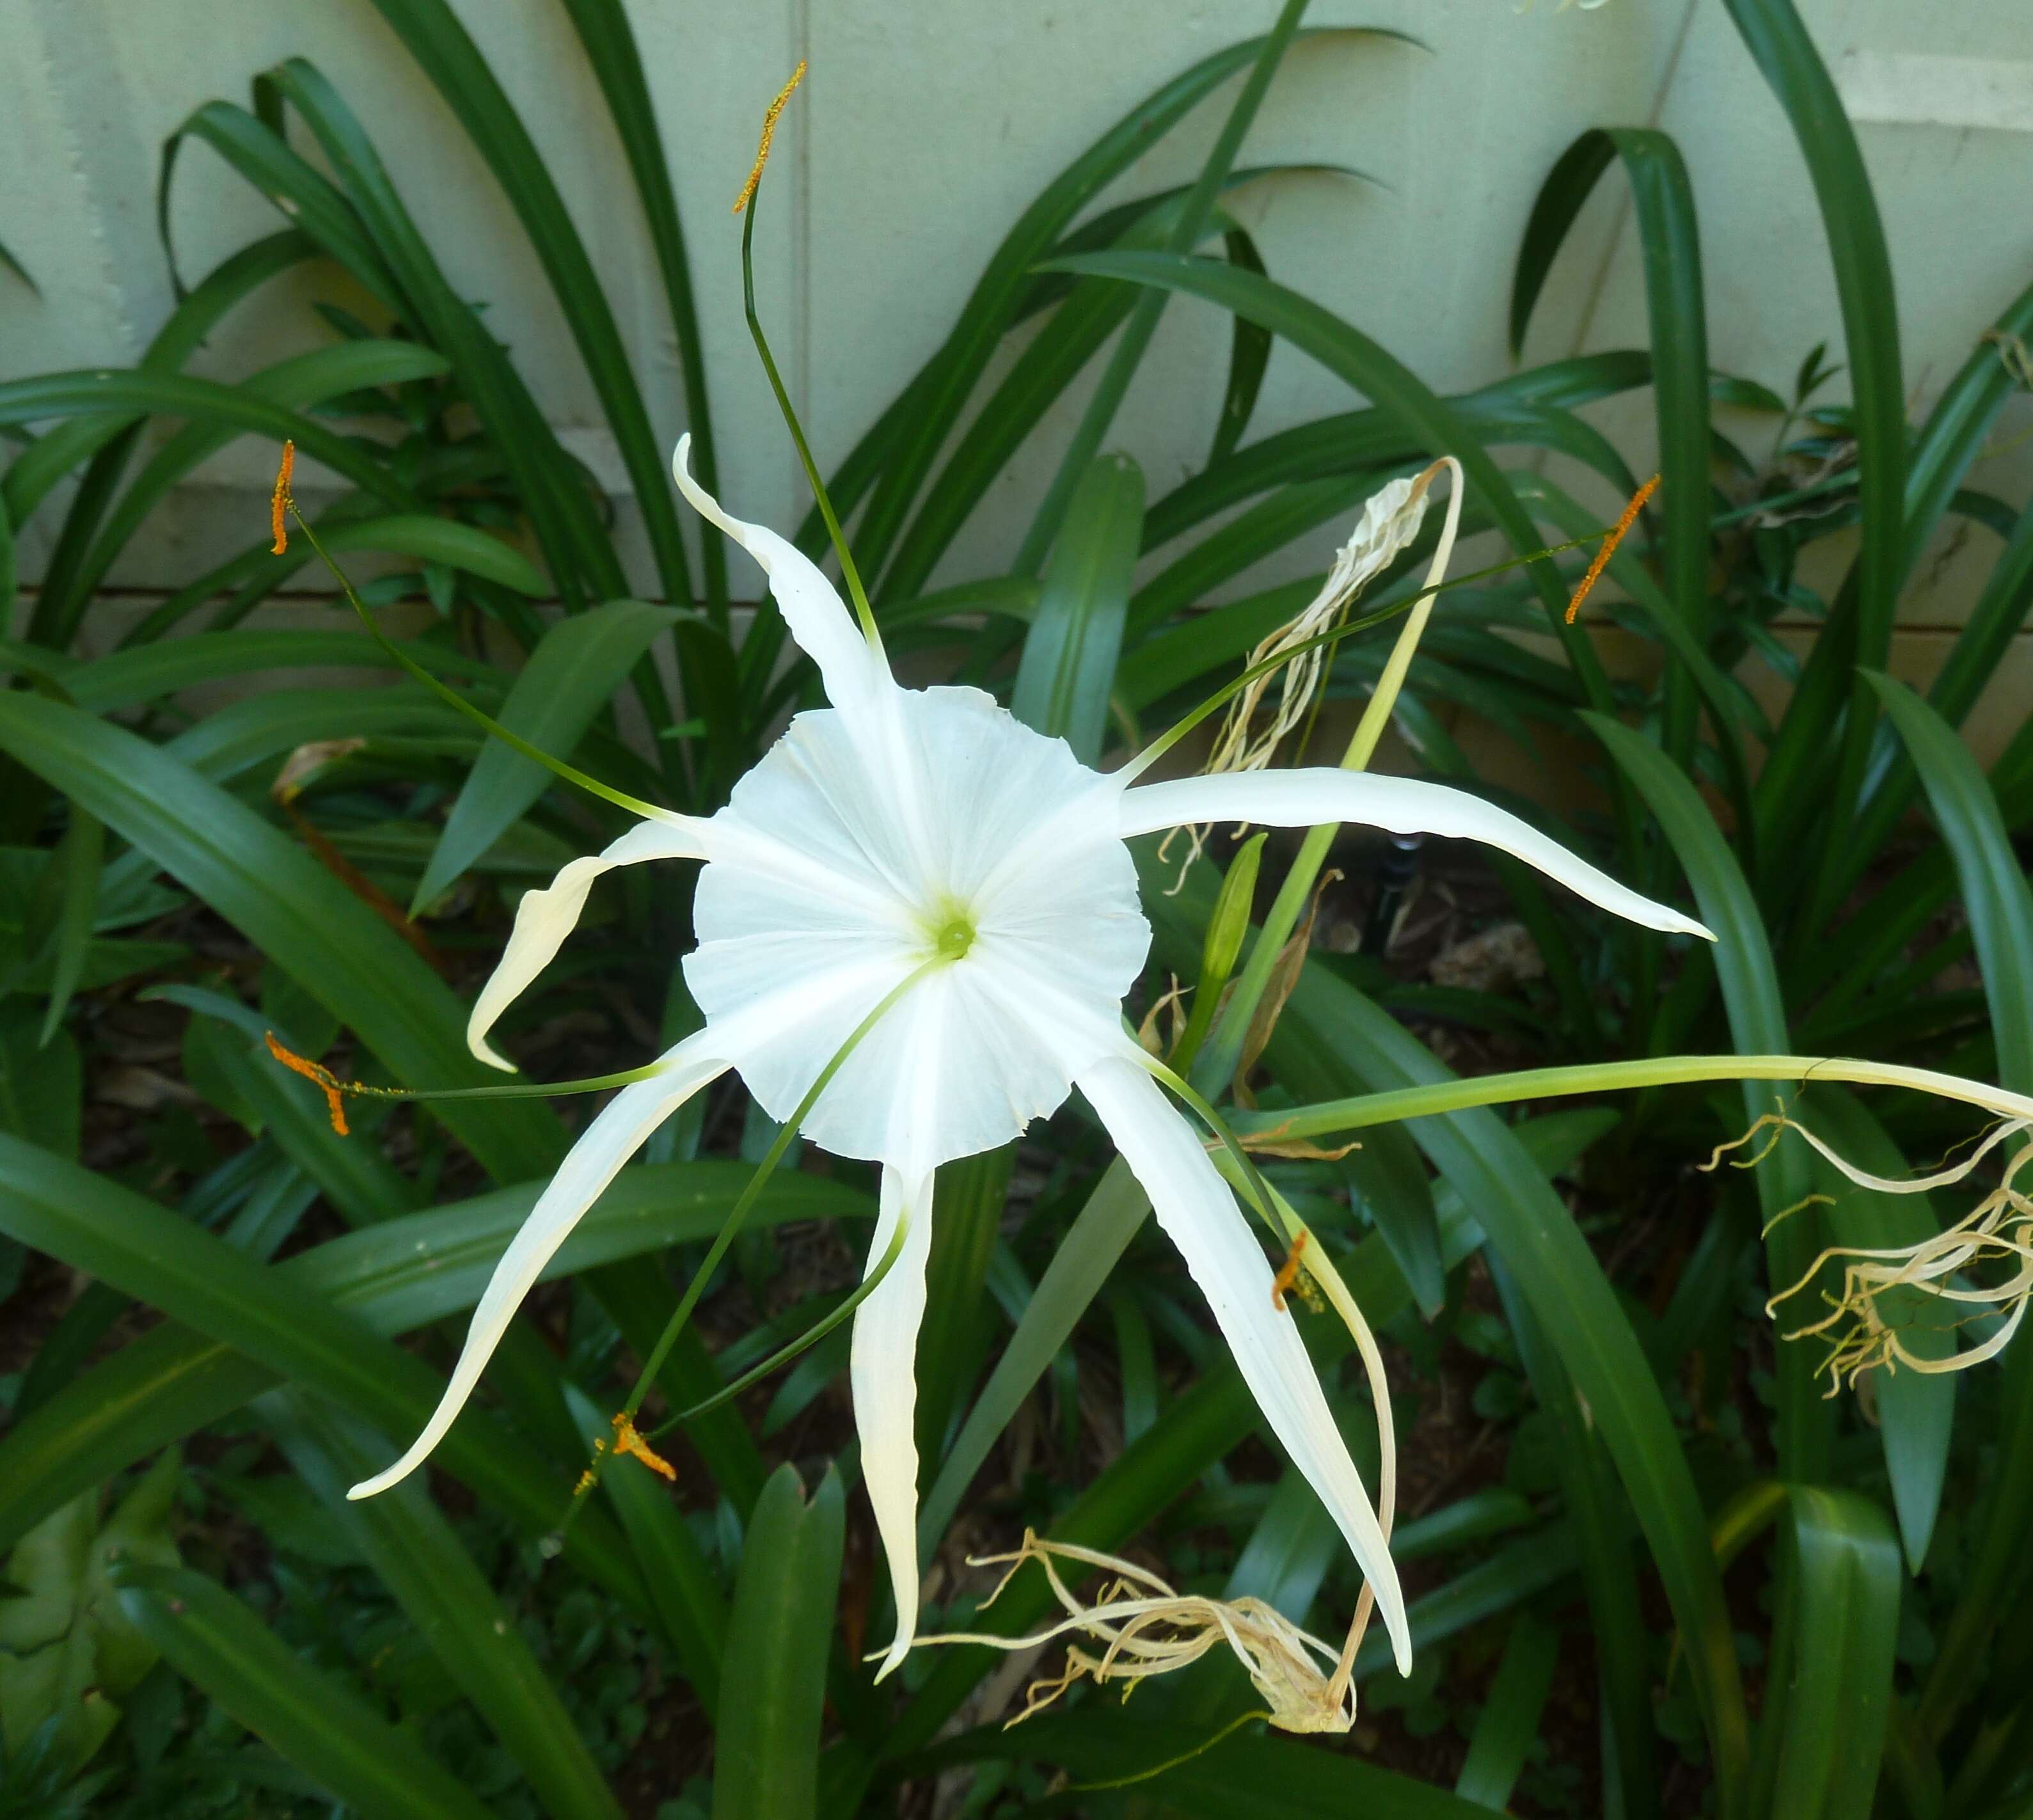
point(949, 928)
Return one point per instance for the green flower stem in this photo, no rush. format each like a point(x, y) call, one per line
point(1333, 1116)
point(852, 575)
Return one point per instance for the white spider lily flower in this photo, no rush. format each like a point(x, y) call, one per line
point(927, 832)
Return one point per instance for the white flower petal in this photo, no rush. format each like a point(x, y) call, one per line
point(882, 1369)
point(1304, 799)
point(544, 918)
point(1194, 1206)
point(623, 1123)
point(856, 677)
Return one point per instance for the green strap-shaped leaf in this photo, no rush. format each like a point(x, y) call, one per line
point(1986, 636)
point(765, 1766)
point(289, 907)
point(1068, 669)
point(1996, 895)
point(609, 42)
point(1750, 982)
point(410, 1544)
point(301, 383)
point(147, 673)
point(1670, 242)
point(432, 34)
point(1797, 792)
point(399, 1275)
point(1999, 908)
point(1128, 353)
point(62, 395)
point(19, 269)
point(570, 676)
point(1387, 1171)
point(1916, 1410)
point(552, 487)
point(1351, 440)
point(968, 1199)
point(1824, 1724)
point(1330, 1033)
point(1249, 355)
point(172, 1264)
point(939, 392)
point(39, 468)
point(1243, 1778)
point(1509, 1722)
point(682, 1582)
point(1600, 1517)
point(1048, 364)
point(317, 1723)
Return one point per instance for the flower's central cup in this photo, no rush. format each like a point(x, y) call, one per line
point(953, 937)
point(939, 829)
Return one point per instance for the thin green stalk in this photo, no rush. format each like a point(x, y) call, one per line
point(557, 767)
point(1333, 1116)
point(810, 1337)
point(852, 575)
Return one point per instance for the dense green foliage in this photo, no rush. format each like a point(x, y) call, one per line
point(1658, 1571)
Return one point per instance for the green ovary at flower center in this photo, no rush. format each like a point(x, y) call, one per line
point(949, 928)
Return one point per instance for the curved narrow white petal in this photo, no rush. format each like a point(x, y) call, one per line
point(544, 918)
point(1304, 799)
point(882, 1370)
point(594, 1161)
point(1194, 1206)
point(856, 677)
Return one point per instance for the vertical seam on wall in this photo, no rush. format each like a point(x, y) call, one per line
point(801, 238)
point(1585, 325)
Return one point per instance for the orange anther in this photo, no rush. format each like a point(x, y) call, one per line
point(1616, 536)
point(334, 1095)
point(280, 504)
point(1288, 1271)
point(627, 1441)
point(769, 133)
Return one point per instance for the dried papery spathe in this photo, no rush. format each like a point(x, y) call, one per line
point(1249, 738)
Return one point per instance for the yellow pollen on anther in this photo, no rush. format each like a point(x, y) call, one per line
point(627, 1441)
point(333, 1089)
point(769, 133)
point(1617, 533)
point(279, 506)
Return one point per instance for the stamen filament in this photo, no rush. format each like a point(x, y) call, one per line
point(336, 1090)
point(862, 610)
point(735, 1219)
point(810, 1337)
point(557, 767)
